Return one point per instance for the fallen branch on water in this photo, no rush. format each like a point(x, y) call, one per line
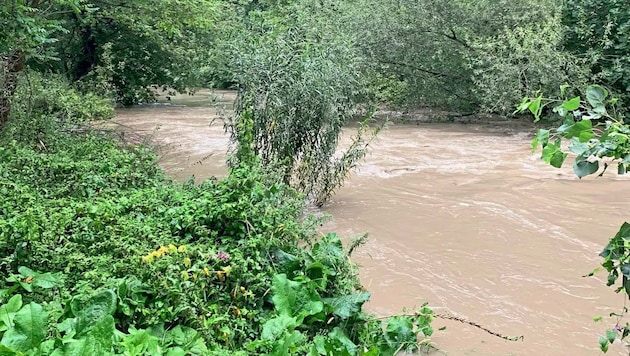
point(464, 321)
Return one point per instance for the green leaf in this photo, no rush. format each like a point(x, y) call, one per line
point(553, 155)
point(176, 351)
point(347, 305)
point(542, 138)
point(8, 310)
point(611, 335)
point(603, 344)
point(181, 335)
point(94, 310)
point(329, 250)
point(572, 104)
point(578, 147)
point(399, 332)
point(596, 96)
point(535, 108)
point(29, 328)
point(295, 299)
point(289, 340)
point(42, 280)
point(5, 351)
point(583, 130)
point(103, 332)
point(582, 167)
point(198, 347)
point(522, 106)
point(274, 328)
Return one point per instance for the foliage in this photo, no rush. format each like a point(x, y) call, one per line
point(597, 31)
point(105, 255)
point(298, 89)
point(519, 61)
point(599, 138)
point(28, 28)
point(45, 104)
point(138, 43)
point(461, 55)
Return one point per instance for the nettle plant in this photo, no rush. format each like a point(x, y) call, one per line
point(599, 138)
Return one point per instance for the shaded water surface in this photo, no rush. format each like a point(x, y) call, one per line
point(464, 217)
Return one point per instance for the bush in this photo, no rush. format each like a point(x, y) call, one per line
point(45, 104)
point(597, 31)
point(298, 89)
point(521, 61)
point(95, 239)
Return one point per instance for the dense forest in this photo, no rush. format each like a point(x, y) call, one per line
point(101, 253)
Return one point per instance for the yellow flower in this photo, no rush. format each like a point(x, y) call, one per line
point(187, 262)
point(206, 271)
point(227, 270)
point(181, 248)
point(172, 248)
point(185, 275)
point(148, 258)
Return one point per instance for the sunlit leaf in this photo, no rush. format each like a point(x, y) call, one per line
point(572, 104)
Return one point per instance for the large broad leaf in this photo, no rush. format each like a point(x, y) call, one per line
point(8, 311)
point(99, 341)
point(141, 342)
point(582, 130)
point(95, 309)
point(295, 299)
point(399, 332)
point(582, 167)
point(553, 155)
point(596, 96)
point(181, 335)
point(42, 280)
point(276, 327)
point(290, 340)
point(339, 344)
point(329, 250)
point(5, 351)
point(29, 328)
point(347, 305)
point(572, 104)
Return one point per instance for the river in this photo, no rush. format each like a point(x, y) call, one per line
point(464, 217)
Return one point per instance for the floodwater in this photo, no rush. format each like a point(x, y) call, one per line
point(464, 217)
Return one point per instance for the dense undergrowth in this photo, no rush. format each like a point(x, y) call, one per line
point(101, 254)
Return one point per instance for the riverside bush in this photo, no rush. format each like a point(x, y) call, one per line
point(106, 255)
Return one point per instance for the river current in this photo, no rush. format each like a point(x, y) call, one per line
point(464, 217)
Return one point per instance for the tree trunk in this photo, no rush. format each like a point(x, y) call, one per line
point(14, 64)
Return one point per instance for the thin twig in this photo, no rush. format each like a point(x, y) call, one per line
point(464, 321)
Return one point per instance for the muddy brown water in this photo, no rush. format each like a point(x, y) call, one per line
point(464, 217)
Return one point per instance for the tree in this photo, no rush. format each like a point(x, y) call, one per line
point(299, 85)
point(27, 28)
point(461, 54)
point(598, 32)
